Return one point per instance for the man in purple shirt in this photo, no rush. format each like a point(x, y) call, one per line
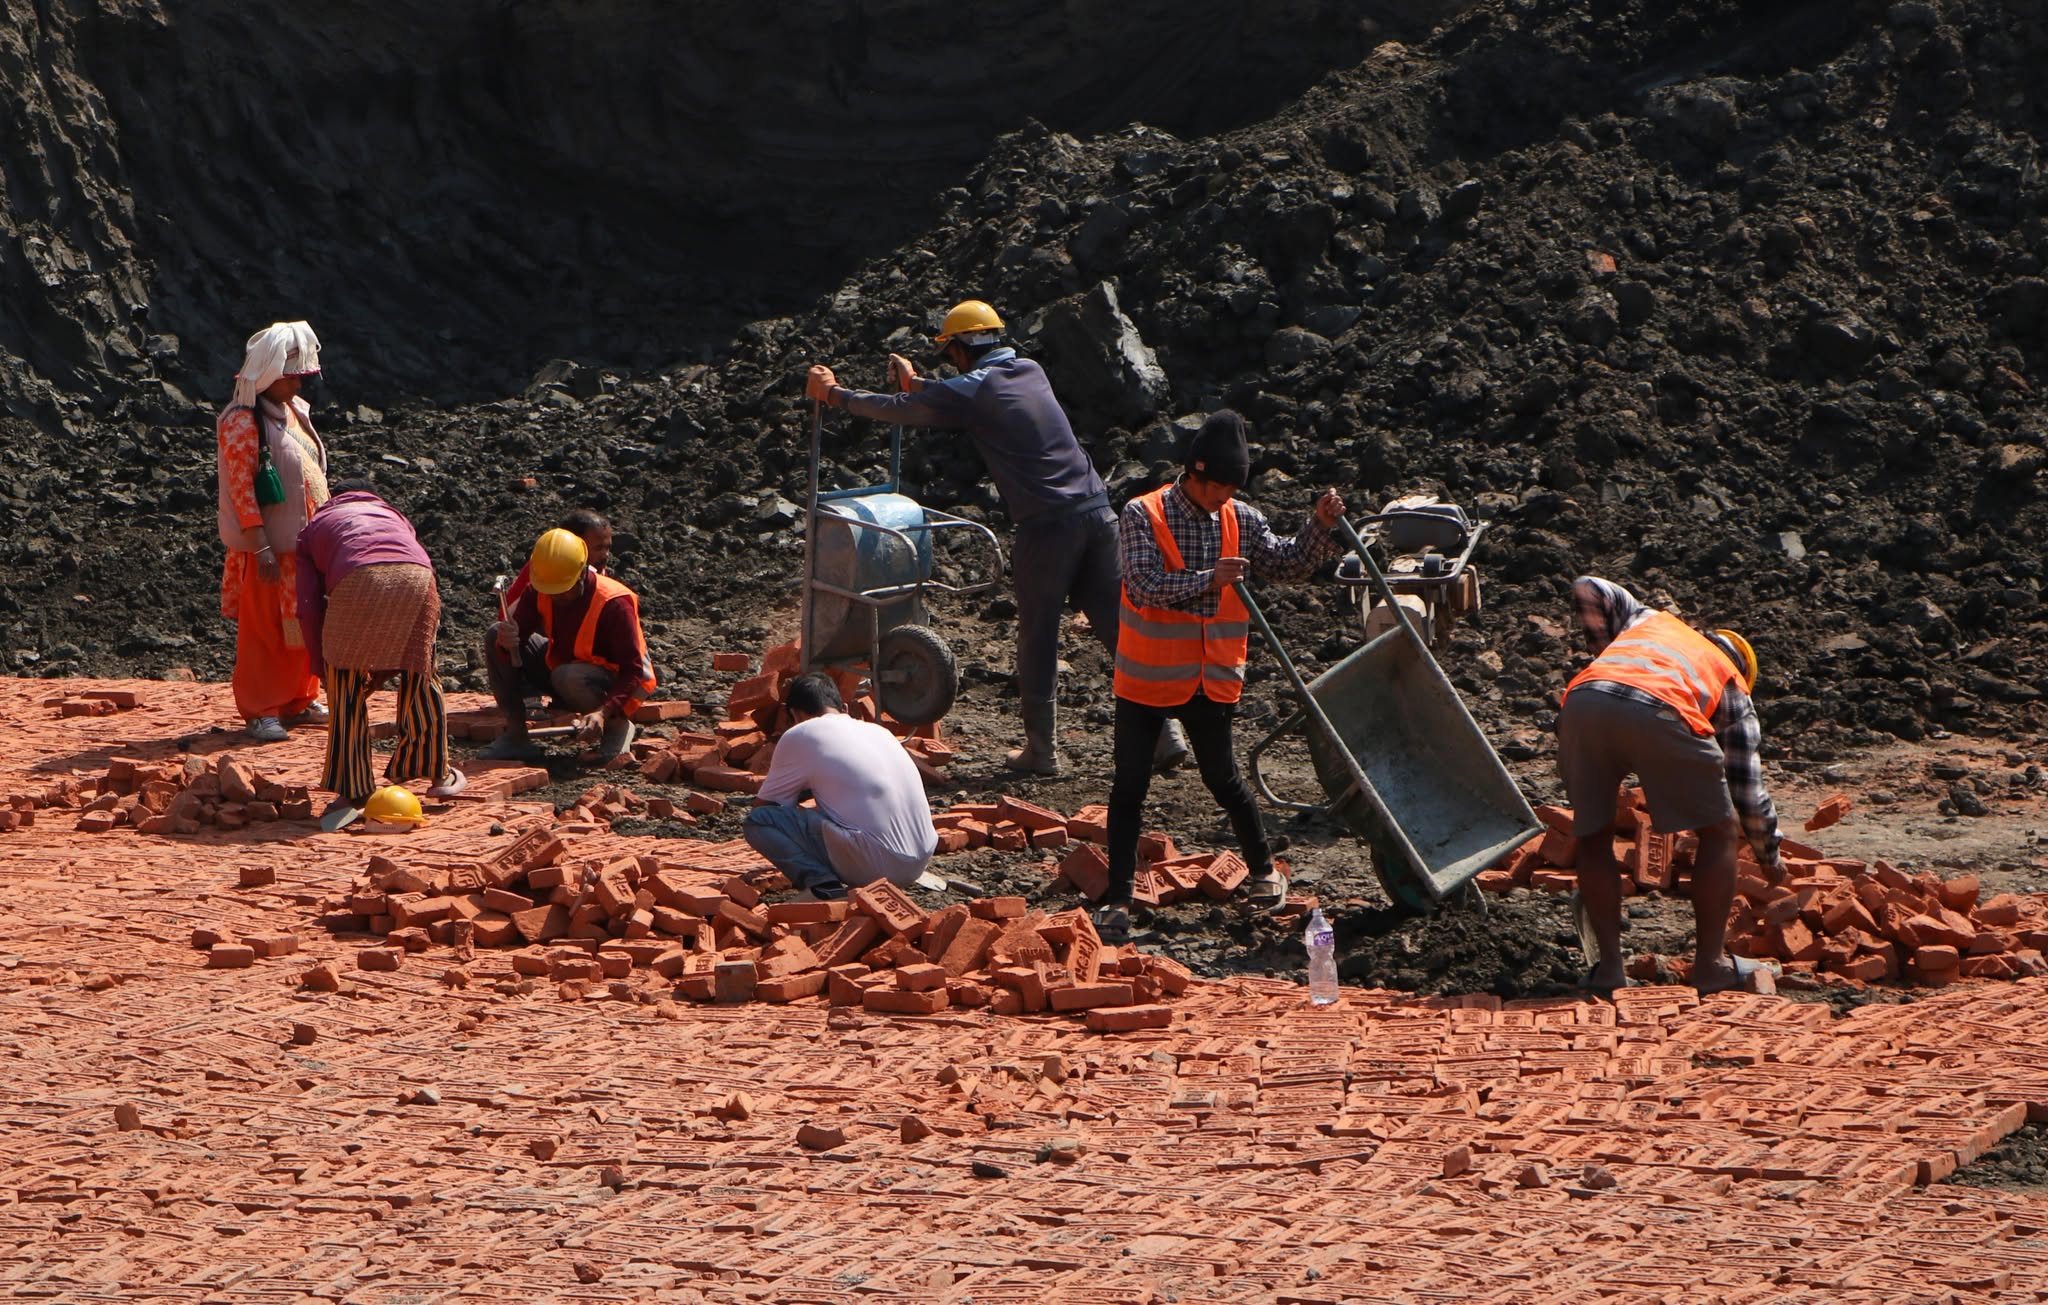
point(1064, 552)
point(369, 609)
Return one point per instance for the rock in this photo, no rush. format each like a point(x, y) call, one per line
point(1291, 346)
point(1841, 341)
point(1102, 364)
point(1593, 317)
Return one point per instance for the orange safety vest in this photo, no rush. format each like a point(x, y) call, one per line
point(1671, 661)
point(605, 590)
point(1163, 656)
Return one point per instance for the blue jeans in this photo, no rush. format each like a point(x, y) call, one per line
point(793, 840)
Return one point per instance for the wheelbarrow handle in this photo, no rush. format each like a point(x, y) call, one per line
point(1379, 580)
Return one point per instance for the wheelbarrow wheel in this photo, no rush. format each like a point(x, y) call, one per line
point(917, 679)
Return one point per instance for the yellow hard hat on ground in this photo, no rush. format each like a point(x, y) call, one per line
point(970, 318)
point(393, 805)
point(1745, 656)
point(557, 562)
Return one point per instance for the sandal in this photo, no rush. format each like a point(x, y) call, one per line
point(1113, 925)
point(451, 784)
point(1267, 890)
point(1746, 968)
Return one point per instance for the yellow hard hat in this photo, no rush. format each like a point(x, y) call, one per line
point(969, 317)
point(394, 804)
point(557, 562)
point(1745, 657)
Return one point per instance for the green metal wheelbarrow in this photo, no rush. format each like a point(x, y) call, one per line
point(1403, 763)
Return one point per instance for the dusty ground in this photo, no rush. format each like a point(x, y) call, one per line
point(227, 1137)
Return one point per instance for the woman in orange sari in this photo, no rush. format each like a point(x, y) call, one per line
point(272, 475)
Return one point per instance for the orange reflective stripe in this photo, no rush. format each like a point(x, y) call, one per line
point(1670, 661)
point(1163, 656)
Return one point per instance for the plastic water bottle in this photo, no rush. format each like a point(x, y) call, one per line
point(1322, 959)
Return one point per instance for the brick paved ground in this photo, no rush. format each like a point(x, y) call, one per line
point(178, 1133)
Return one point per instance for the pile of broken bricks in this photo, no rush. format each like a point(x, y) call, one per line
point(94, 702)
point(1864, 921)
point(703, 929)
point(185, 794)
point(733, 755)
point(164, 797)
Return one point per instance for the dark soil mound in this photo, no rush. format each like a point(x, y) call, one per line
point(1744, 305)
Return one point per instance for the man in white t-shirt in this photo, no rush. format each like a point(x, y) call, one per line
point(871, 821)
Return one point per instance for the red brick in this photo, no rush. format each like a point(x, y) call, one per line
point(730, 661)
point(1090, 824)
point(850, 940)
point(379, 958)
point(1828, 812)
point(894, 1001)
point(734, 981)
point(1127, 1019)
point(1049, 840)
point(802, 913)
point(1224, 875)
point(1155, 846)
point(254, 876)
point(230, 956)
point(272, 944)
point(541, 924)
point(791, 987)
point(1083, 996)
point(969, 948)
point(1086, 868)
point(814, 1136)
point(653, 713)
point(787, 956)
point(1935, 956)
point(888, 906)
point(921, 978)
point(1960, 893)
point(841, 986)
point(1029, 815)
point(998, 908)
point(939, 929)
point(727, 780)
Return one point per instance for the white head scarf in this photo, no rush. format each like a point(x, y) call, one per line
point(279, 349)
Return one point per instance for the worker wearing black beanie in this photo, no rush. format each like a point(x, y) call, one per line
point(1182, 649)
point(1219, 450)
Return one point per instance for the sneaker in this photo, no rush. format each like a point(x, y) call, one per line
point(340, 814)
point(316, 714)
point(1113, 924)
point(267, 729)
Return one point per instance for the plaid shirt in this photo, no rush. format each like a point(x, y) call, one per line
point(1606, 610)
point(1199, 536)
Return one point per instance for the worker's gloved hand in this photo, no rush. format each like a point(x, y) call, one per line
point(901, 373)
point(506, 635)
point(818, 384)
point(1229, 570)
point(267, 566)
point(1328, 508)
point(589, 729)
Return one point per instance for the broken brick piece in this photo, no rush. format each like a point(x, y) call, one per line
point(230, 956)
point(1086, 869)
point(1129, 1019)
point(888, 906)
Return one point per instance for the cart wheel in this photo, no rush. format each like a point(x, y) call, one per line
point(1404, 890)
point(917, 679)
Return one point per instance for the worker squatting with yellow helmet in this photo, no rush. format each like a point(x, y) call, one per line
point(1065, 549)
point(574, 633)
point(1672, 706)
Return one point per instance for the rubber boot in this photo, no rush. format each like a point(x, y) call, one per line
point(1171, 752)
point(1039, 755)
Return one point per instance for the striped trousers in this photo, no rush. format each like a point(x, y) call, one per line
point(422, 751)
